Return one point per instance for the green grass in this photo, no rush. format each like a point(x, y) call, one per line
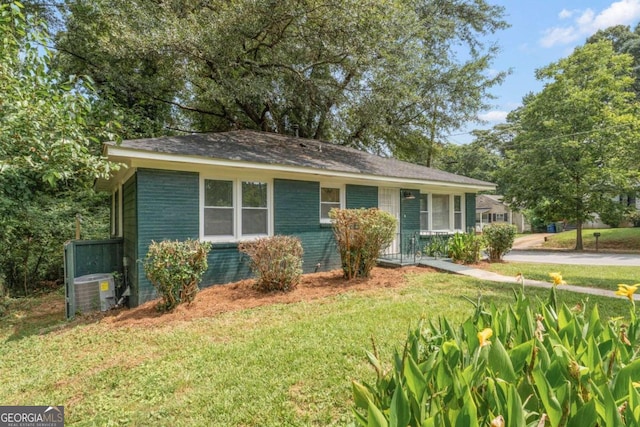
point(594, 276)
point(270, 366)
point(622, 239)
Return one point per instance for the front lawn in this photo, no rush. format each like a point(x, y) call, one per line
point(595, 276)
point(280, 364)
point(616, 239)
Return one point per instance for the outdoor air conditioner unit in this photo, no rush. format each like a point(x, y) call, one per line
point(94, 292)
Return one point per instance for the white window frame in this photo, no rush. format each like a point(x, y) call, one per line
point(428, 211)
point(452, 212)
point(237, 208)
point(116, 217)
point(461, 212)
point(341, 188)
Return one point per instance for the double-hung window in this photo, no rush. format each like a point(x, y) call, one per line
point(330, 197)
point(440, 211)
point(457, 212)
point(235, 209)
point(424, 212)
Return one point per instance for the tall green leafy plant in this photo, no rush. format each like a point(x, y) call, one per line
point(527, 365)
point(175, 269)
point(465, 248)
point(360, 235)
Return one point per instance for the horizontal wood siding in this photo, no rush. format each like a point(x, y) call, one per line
point(226, 265)
point(130, 236)
point(362, 196)
point(297, 213)
point(168, 209)
point(470, 211)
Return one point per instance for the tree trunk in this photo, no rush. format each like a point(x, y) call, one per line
point(579, 235)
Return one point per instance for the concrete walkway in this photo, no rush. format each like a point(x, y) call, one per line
point(477, 273)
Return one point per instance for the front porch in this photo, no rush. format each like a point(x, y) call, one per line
point(411, 248)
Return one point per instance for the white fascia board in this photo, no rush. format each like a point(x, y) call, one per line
point(125, 153)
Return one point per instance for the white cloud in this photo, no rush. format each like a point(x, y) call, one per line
point(587, 22)
point(565, 14)
point(494, 116)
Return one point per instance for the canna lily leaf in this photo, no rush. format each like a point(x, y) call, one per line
point(585, 416)
point(415, 379)
point(548, 397)
point(500, 363)
point(626, 376)
point(399, 412)
point(361, 395)
point(376, 418)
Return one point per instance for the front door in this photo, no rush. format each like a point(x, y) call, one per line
point(389, 201)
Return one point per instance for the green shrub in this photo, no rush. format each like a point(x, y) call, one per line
point(499, 239)
point(276, 261)
point(360, 235)
point(524, 365)
point(634, 217)
point(465, 248)
point(175, 269)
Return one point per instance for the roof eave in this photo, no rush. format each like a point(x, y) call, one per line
point(113, 151)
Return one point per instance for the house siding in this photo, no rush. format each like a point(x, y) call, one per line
point(470, 211)
point(130, 236)
point(168, 209)
point(297, 213)
point(361, 196)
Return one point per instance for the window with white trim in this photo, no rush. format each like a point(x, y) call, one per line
point(440, 211)
point(255, 210)
point(457, 212)
point(330, 197)
point(424, 212)
point(115, 213)
point(235, 209)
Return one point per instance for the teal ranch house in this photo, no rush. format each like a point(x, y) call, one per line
point(239, 185)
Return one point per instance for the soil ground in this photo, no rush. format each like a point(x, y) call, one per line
point(241, 295)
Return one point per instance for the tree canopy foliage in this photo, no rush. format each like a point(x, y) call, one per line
point(575, 147)
point(47, 156)
point(394, 76)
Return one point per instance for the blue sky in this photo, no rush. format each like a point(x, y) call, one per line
point(541, 32)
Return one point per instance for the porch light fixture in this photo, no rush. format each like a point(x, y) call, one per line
point(408, 195)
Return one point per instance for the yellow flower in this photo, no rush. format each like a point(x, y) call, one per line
point(484, 335)
point(557, 279)
point(627, 290)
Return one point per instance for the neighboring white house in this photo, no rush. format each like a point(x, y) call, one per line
point(491, 209)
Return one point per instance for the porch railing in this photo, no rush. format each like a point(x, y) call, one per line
point(410, 247)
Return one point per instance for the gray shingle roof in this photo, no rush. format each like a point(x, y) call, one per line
point(284, 150)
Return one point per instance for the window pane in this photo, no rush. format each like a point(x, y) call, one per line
point(457, 203)
point(254, 194)
point(326, 207)
point(440, 215)
point(458, 221)
point(116, 213)
point(218, 221)
point(218, 193)
point(330, 195)
point(424, 202)
point(254, 221)
point(424, 220)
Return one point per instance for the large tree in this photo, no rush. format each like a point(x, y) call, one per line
point(576, 147)
point(392, 76)
point(49, 153)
